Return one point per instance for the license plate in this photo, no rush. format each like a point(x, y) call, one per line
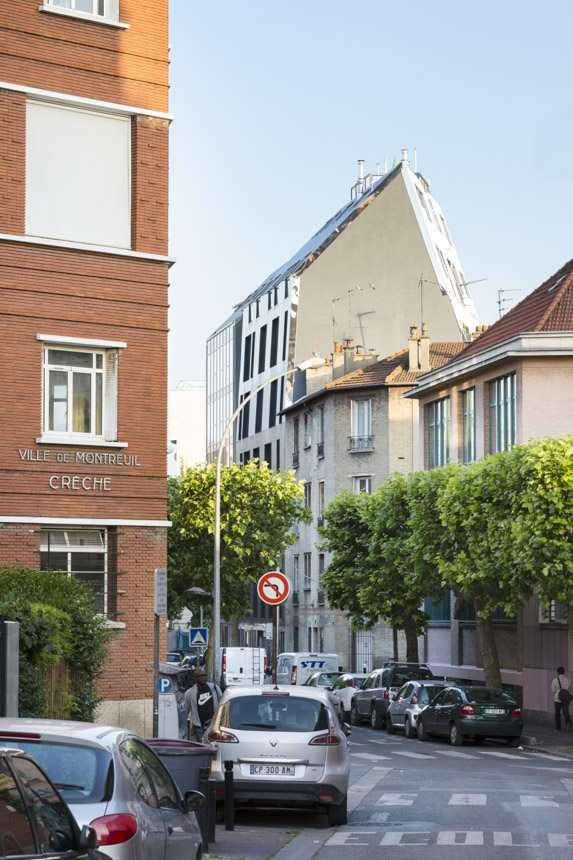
point(272, 769)
point(493, 711)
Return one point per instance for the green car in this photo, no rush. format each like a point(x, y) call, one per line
point(471, 712)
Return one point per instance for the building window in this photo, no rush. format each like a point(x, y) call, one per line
point(78, 175)
point(468, 425)
point(308, 494)
point(307, 429)
point(295, 442)
point(361, 425)
point(502, 414)
point(296, 572)
point(262, 348)
point(246, 413)
point(82, 553)
point(257, 454)
point(285, 335)
point(103, 10)
point(362, 483)
point(320, 568)
point(278, 466)
point(554, 613)
point(321, 497)
point(274, 342)
point(269, 454)
point(259, 412)
point(270, 300)
point(247, 359)
point(423, 202)
point(307, 570)
point(80, 391)
point(320, 429)
point(441, 611)
point(438, 415)
point(273, 404)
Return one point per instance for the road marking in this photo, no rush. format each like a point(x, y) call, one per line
point(363, 786)
point(371, 757)
point(468, 800)
point(428, 837)
point(560, 840)
point(551, 757)
point(499, 754)
point(536, 800)
point(456, 754)
point(395, 798)
point(568, 786)
point(469, 837)
point(414, 755)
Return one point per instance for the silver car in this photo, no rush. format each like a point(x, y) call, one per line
point(404, 710)
point(343, 689)
point(113, 781)
point(287, 747)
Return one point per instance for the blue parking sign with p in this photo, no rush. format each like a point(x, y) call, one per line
point(164, 685)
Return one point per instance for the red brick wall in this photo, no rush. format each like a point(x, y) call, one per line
point(12, 161)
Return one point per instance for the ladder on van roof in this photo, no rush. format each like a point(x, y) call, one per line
point(256, 665)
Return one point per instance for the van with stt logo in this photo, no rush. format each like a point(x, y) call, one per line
point(296, 667)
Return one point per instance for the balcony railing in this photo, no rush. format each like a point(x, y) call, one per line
point(320, 449)
point(295, 459)
point(320, 520)
point(360, 443)
point(321, 598)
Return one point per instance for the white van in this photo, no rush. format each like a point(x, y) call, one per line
point(295, 668)
point(243, 666)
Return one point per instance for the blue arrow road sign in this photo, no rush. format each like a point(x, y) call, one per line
point(198, 636)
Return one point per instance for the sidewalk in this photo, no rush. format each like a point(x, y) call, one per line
point(548, 740)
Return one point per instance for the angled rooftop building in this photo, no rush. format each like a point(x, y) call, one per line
point(385, 260)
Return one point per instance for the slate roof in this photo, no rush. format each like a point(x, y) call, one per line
point(393, 370)
point(548, 308)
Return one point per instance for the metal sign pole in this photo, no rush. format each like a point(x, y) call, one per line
point(275, 641)
point(160, 608)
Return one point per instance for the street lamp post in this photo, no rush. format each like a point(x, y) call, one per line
point(308, 364)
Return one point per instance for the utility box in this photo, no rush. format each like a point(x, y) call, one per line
point(171, 719)
point(9, 667)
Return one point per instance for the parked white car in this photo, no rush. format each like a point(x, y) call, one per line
point(342, 690)
point(287, 747)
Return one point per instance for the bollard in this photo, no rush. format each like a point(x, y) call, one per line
point(212, 806)
point(204, 814)
point(229, 797)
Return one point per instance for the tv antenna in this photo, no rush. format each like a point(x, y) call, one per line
point(348, 297)
point(501, 302)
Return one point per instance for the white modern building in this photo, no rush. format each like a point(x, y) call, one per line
point(186, 426)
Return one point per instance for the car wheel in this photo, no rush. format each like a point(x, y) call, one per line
point(390, 728)
point(338, 814)
point(479, 739)
point(422, 733)
point(456, 737)
point(409, 729)
point(512, 742)
point(354, 716)
point(375, 719)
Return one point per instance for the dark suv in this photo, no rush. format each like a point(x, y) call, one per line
point(371, 701)
point(34, 820)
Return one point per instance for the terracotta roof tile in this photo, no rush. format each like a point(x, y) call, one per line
point(548, 308)
point(393, 370)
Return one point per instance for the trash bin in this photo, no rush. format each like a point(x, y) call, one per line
point(183, 760)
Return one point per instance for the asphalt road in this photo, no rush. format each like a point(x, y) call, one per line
point(413, 800)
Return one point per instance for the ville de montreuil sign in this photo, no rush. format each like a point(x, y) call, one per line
point(78, 482)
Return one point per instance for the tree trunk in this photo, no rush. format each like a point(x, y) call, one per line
point(488, 647)
point(411, 641)
point(234, 631)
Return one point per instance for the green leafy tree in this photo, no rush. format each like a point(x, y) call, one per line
point(259, 508)
point(58, 622)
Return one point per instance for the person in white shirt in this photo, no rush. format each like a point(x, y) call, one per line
point(561, 701)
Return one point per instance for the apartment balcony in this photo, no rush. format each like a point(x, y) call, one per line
point(295, 460)
point(360, 443)
point(320, 449)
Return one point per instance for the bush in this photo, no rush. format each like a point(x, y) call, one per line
point(58, 623)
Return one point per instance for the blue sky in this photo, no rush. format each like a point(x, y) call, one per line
point(274, 103)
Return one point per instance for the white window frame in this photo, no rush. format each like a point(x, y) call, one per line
point(69, 547)
point(307, 571)
point(307, 429)
point(103, 11)
point(109, 351)
point(296, 572)
point(362, 483)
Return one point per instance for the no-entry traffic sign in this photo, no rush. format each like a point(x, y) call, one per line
point(274, 587)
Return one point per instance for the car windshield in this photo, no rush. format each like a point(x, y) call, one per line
point(402, 676)
point(277, 713)
point(82, 774)
point(327, 678)
point(426, 694)
point(483, 696)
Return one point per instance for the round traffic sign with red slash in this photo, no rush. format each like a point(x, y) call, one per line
point(274, 587)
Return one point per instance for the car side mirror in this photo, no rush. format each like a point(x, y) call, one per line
point(193, 801)
point(346, 729)
point(88, 838)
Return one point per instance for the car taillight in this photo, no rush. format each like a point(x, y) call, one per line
point(467, 711)
point(114, 829)
point(224, 662)
point(265, 664)
point(331, 739)
point(415, 699)
point(293, 675)
point(386, 694)
point(516, 713)
point(220, 736)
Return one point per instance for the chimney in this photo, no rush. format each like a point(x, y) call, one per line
point(424, 353)
point(413, 348)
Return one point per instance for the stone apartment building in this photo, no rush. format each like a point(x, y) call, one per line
point(83, 316)
point(350, 431)
point(513, 384)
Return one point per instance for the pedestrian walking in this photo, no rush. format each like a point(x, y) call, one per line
point(200, 703)
point(561, 689)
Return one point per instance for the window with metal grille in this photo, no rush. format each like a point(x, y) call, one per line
point(438, 423)
point(468, 425)
point(84, 554)
point(502, 413)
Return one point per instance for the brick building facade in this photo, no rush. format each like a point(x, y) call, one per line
point(83, 314)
